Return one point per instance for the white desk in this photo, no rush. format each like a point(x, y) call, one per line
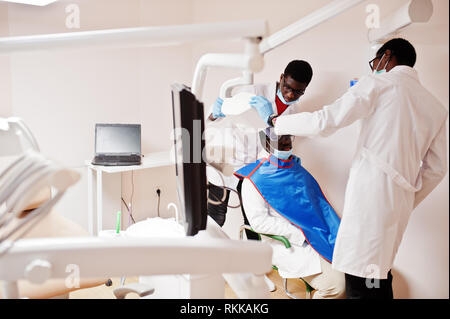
point(151, 160)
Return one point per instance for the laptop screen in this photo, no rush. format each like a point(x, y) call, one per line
point(118, 139)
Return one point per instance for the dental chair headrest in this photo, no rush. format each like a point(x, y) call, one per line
point(16, 138)
point(36, 188)
point(41, 196)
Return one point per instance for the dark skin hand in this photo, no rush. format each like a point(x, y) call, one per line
point(211, 117)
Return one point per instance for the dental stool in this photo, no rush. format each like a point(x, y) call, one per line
point(287, 244)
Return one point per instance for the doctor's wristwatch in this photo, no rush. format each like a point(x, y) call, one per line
point(270, 119)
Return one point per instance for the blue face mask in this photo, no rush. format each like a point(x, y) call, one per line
point(283, 155)
point(280, 96)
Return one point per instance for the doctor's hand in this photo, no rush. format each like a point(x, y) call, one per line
point(217, 108)
point(263, 106)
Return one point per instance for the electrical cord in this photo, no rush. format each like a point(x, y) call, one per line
point(131, 199)
point(129, 208)
point(222, 201)
point(223, 185)
point(129, 212)
point(158, 191)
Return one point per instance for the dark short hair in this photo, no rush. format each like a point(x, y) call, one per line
point(299, 70)
point(403, 51)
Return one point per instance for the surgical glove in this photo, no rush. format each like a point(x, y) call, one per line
point(263, 106)
point(217, 108)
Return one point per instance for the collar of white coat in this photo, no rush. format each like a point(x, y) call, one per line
point(272, 90)
point(406, 70)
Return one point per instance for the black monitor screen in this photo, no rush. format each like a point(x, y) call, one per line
point(190, 168)
point(117, 138)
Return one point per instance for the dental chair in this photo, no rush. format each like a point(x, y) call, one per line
point(30, 185)
point(286, 244)
point(26, 202)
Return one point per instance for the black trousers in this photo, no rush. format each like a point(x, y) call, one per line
point(218, 212)
point(362, 288)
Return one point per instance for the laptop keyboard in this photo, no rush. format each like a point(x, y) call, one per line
point(117, 159)
point(133, 158)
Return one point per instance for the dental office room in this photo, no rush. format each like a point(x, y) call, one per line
point(205, 149)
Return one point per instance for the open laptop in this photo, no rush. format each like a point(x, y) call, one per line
point(117, 144)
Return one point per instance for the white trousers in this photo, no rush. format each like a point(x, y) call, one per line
point(329, 284)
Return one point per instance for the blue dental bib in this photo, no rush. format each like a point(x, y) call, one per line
point(293, 192)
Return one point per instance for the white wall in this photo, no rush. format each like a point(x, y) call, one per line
point(5, 75)
point(62, 94)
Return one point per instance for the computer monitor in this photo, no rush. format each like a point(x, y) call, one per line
point(190, 169)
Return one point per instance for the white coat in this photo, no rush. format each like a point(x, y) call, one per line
point(236, 139)
point(400, 158)
point(298, 261)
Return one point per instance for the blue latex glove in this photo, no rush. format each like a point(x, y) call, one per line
point(217, 108)
point(263, 106)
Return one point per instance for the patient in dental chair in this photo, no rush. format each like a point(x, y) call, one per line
point(52, 225)
point(281, 198)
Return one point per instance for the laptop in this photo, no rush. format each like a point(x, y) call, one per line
point(117, 144)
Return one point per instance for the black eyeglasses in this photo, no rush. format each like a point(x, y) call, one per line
point(379, 57)
point(288, 88)
point(372, 61)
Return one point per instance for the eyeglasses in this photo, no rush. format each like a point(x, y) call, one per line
point(289, 89)
point(371, 62)
point(270, 133)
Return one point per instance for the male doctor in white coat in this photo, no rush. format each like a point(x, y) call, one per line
point(401, 157)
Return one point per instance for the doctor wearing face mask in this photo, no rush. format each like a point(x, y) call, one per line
point(401, 157)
